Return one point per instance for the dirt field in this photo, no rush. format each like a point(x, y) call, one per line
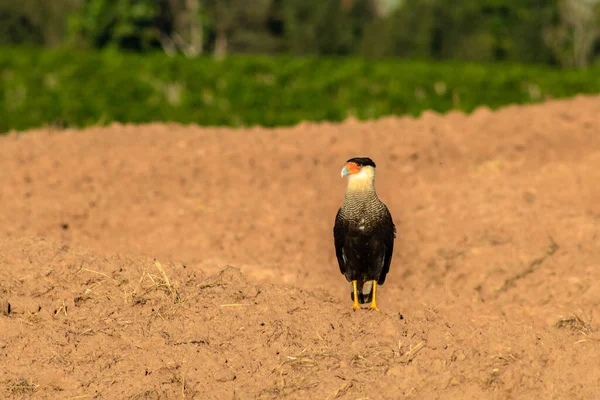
point(493, 291)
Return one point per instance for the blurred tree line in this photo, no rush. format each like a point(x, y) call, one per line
point(556, 32)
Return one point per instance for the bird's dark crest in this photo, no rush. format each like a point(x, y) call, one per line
point(362, 161)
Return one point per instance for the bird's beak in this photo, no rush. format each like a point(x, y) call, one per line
point(345, 171)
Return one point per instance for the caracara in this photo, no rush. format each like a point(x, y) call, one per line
point(363, 233)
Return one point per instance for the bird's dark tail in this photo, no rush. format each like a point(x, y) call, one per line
point(365, 292)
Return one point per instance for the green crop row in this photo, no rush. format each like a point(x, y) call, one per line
point(40, 87)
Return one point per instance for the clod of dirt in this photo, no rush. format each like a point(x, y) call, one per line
point(574, 323)
point(5, 307)
point(229, 277)
point(19, 387)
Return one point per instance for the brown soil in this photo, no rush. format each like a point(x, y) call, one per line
point(493, 291)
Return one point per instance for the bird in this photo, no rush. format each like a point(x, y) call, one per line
point(364, 233)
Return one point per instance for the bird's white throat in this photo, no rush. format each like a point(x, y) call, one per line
point(364, 181)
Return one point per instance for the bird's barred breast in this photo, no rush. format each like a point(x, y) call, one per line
point(362, 215)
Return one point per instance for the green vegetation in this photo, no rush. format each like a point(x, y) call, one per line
point(551, 32)
point(86, 88)
point(240, 62)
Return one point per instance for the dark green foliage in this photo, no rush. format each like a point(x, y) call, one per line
point(551, 32)
point(466, 30)
point(332, 27)
point(34, 22)
point(85, 88)
point(126, 24)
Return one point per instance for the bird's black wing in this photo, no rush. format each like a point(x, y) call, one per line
point(387, 236)
point(339, 237)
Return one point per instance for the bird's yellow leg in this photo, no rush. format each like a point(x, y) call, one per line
point(356, 306)
point(373, 302)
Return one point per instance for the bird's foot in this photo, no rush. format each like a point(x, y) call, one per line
point(356, 306)
point(373, 302)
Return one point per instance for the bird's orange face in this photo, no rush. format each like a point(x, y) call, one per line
point(351, 168)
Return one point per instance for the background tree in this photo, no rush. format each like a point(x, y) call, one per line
point(35, 22)
point(127, 24)
point(326, 26)
point(239, 26)
point(182, 25)
point(574, 39)
point(558, 32)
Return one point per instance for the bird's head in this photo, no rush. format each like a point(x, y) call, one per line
point(360, 172)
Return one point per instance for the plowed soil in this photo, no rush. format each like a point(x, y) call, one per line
point(163, 261)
